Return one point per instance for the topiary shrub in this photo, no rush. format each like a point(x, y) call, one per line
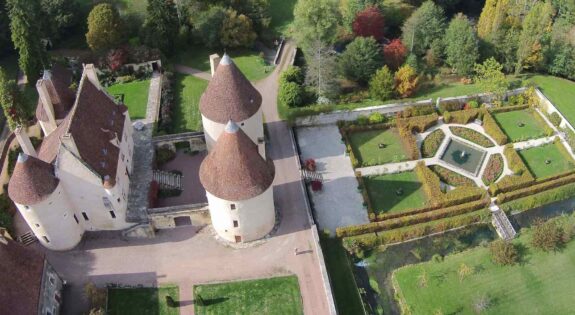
point(291, 94)
point(503, 253)
point(555, 119)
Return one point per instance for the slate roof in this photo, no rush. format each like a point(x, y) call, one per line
point(60, 93)
point(32, 181)
point(229, 95)
point(234, 170)
point(21, 271)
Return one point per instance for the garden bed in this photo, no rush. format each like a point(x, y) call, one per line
point(431, 143)
point(472, 135)
point(450, 177)
point(493, 170)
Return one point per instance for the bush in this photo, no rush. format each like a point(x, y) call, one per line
point(450, 105)
point(292, 74)
point(547, 236)
point(493, 170)
point(492, 129)
point(406, 128)
point(503, 253)
point(376, 118)
point(555, 119)
point(164, 155)
point(291, 94)
point(406, 81)
point(381, 84)
point(472, 135)
point(461, 117)
point(419, 110)
point(167, 103)
point(431, 143)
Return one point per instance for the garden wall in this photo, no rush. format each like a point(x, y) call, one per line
point(164, 218)
point(549, 108)
point(349, 115)
point(483, 97)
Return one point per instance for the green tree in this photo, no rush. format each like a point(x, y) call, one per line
point(315, 20)
point(406, 81)
point(361, 59)
point(58, 16)
point(104, 28)
point(24, 15)
point(321, 74)
point(382, 84)
point(291, 94)
point(461, 45)
point(350, 8)
point(536, 24)
point(5, 42)
point(11, 101)
point(490, 77)
point(208, 24)
point(424, 26)
point(162, 25)
point(237, 30)
point(256, 10)
point(492, 17)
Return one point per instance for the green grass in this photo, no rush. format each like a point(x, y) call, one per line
point(510, 124)
point(561, 92)
point(535, 159)
point(142, 301)
point(135, 96)
point(365, 145)
point(542, 283)
point(281, 12)
point(186, 112)
point(382, 191)
point(345, 291)
point(279, 296)
point(248, 61)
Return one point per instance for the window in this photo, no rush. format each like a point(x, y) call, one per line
point(233, 206)
point(76, 218)
point(112, 214)
point(85, 216)
point(236, 223)
point(46, 239)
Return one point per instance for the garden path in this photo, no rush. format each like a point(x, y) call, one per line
point(154, 98)
point(205, 75)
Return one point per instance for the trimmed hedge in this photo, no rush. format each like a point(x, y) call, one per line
point(450, 177)
point(505, 109)
point(493, 170)
point(539, 199)
point(534, 189)
point(431, 143)
point(522, 177)
point(420, 110)
point(461, 117)
point(406, 128)
point(492, 129)
point(412, 219)
point(365, 195)
point(472, 135)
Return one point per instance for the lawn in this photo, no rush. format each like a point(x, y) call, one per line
point(135, 96)
point(520, 125)
point(535, 159)
point(383, 192)
point(142, 301)
point(561, 92)
point(281, 12)
point(543, 283)
point(248, 61)
point(365, 145)
point(345, 291)
point(186, 114)
point(271, 296)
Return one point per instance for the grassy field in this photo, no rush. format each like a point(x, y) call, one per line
point(561, 93)
point(135, 96)
point(345, 291)
point(542, 283)
point(248, 61)
point(281, 12)
point(142, 301)
point(365, 145)
point(271, 296)
point(188, 90)
point(382, 191)
point(510, 123)
point(535, 159)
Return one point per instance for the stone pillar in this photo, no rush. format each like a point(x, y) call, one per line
point(214, 62)
point(25, 142)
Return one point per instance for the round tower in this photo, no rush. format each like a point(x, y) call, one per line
point(238, 183)
point(231, 96)
point(40, 198)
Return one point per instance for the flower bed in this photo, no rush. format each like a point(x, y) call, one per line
point(493, 170)
point(472, 135)
point(431, 143)
point(450, 177)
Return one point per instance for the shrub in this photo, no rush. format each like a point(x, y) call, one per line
point(406, 127)
point(503, 253)
point(538, 199)
point(292, 74)
point(450, 177)
point(506, 109)
point(473, 104)
point(394, 53)
point(419, 110)
point(376, 118)
point(291, 94)
point(167, 103)
point(431, 143)
point(492, 129)
point(381, 84)
point(406, 81)
point(555, 119)
point(450, 105)
point(493, 170)
point(461, 117)
point(164, 155)
point(547, 236)
point(472, 135)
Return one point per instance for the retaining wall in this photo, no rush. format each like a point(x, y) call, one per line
point(164, 218)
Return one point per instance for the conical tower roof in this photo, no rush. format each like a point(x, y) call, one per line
point(234, 170)
point(229, 95)
point(33, 180)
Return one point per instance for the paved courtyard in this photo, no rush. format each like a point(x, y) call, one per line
point(193, 191)
point(339, 203)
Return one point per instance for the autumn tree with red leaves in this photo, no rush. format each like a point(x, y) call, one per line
point(369, 22)
point(394, 53)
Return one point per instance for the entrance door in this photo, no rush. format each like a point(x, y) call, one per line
point(238, 239)
point(183, 221)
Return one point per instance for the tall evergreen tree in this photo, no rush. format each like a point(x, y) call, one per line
point(24, 17)
point(104, 27)
point(58, 16)
point(424, 26)
point(461, 45)
point(11, 101)
point(162, 25)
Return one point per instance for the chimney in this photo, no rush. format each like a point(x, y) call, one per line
point(46, 99)
point(25, 142)
point(92, 75)
point(214, 62)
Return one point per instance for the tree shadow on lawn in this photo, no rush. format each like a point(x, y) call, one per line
point(386, 194)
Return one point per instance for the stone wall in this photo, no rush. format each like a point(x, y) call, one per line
point(482, 98)
point(164, 218)
point(196, 140)
point(550, 108)
point(50, 291)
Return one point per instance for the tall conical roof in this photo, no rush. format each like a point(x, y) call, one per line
point(33, 180)
point(229, 95)
point(234, 170)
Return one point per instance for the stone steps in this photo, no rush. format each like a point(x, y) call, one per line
point(167, 179)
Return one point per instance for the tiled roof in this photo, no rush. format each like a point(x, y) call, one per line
point(234, 170)
point(229, 95)
point(32, 181)
point(21, 271)
point(60, 93)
